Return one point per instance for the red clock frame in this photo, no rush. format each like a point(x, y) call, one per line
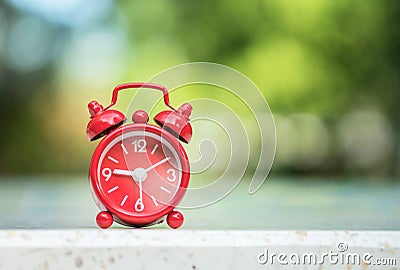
point(131, 218)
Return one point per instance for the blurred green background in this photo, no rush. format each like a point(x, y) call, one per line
point(329, 70)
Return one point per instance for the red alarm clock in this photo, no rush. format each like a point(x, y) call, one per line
point(139, 172)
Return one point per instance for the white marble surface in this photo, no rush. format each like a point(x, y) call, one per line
point(185, 249)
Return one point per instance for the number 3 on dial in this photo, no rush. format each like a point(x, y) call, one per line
point(171, 175)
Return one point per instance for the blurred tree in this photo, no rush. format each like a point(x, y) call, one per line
point(320, 57)
point(336, 52)
point(28, 58)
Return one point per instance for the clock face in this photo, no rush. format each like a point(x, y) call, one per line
point(139, 172)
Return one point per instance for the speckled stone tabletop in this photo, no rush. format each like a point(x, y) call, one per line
point(189, 249)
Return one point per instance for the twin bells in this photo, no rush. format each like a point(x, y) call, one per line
point(103, 120)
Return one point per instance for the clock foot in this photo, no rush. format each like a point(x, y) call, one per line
point(175, 219)
point(104, 219)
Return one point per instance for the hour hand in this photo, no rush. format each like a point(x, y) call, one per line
point(122, 172)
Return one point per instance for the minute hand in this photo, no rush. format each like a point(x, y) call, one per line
point(158, 164)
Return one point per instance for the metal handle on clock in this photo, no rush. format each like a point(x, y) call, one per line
point(140, 85)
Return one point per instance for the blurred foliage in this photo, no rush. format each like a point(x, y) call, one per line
point(327, 55)
point(323, 58)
